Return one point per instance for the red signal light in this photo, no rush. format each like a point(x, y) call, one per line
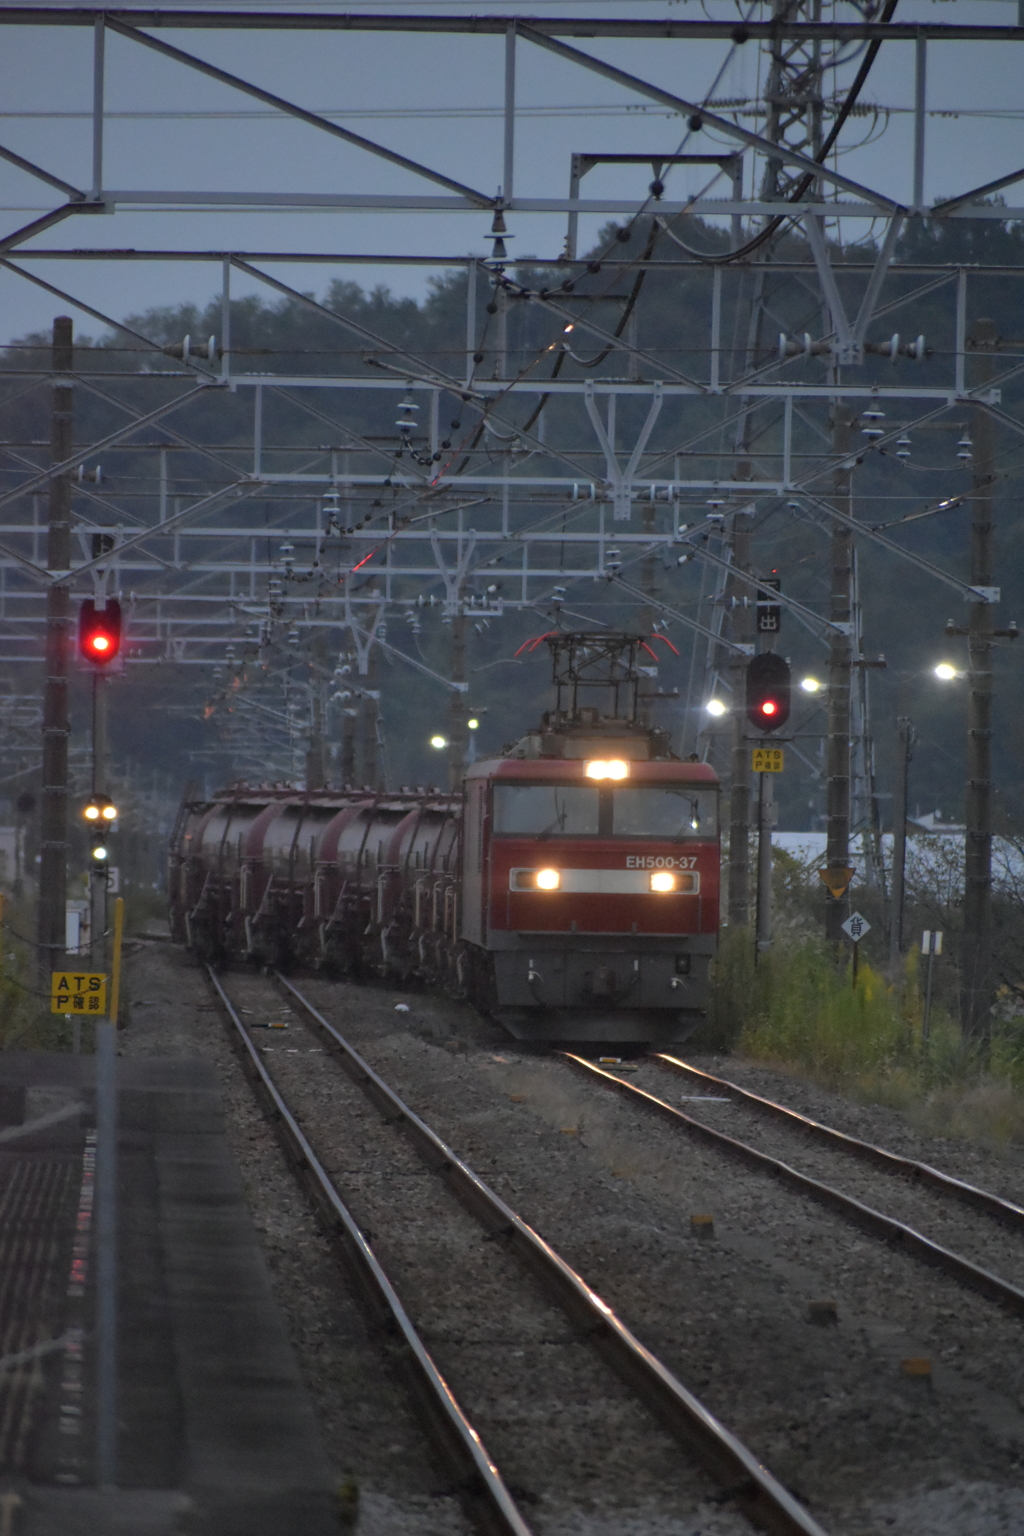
point(768, 691)
point(99, 632)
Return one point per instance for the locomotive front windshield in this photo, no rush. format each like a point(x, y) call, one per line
point(666, 811)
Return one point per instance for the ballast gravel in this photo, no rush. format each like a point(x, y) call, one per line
point(829, 1409)
point(871, 1450)
point(368, 1431)
point(572, 1442)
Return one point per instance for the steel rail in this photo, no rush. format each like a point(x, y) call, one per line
point(864, 1216)
point(487, 1501)
point(980, 1199)
point(763, 1498)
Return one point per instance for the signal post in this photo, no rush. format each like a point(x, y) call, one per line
point(53, 852)
point(99, 645)
point(768, 699)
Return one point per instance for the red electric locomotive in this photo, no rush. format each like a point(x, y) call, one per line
point(573, 891)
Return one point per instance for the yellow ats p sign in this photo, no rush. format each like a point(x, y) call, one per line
point(766, 759)
point(78, 992)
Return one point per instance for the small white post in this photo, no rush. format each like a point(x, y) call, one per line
point(510, 111)
point(920, 91)
point(99, 37)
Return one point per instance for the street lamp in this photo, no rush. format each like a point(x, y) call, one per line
point(811, 685)
point(439, 742)
point(946, 672)
point(716, 707)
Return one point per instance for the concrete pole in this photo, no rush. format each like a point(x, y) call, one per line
point(899, 838)
point(371, 723)
point(458, 732)
point(765, 823)
point(53, 849)
point(316, 759)
point(347, 754)
point(98, 867)
point(743, 620)
point(837, 852)
point(976, 983)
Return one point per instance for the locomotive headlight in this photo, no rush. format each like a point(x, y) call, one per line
point(663, 880)
point(614, 768)
point(547, 879)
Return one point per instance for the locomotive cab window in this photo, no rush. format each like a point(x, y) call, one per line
point(664, 810)
point(667, 811)
point(546, 810)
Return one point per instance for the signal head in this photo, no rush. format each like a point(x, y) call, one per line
point(768, 691)
point(99, 632)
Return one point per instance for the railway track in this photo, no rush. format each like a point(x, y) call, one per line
point(1004, 1211)
point(976, 1276)
point(489, 1504)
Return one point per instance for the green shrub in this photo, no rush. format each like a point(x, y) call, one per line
point(796, 1008)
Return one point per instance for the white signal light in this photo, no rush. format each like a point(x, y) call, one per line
point(99, 852)
point(662, 880)
point(616, 768)
point(548, 879)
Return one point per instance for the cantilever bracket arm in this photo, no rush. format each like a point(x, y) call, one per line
point(951, 204)
point(37, 171)
point(821, 172)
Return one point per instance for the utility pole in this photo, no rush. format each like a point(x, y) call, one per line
point(743, 622)
point(837, 851)
point(458, 733)
point(98, 873)
point(316, 763)
point(371, 721)
point(765, 824)
point(976, 970)
point(347, 751)
point(53, 850)
point(899, 838)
